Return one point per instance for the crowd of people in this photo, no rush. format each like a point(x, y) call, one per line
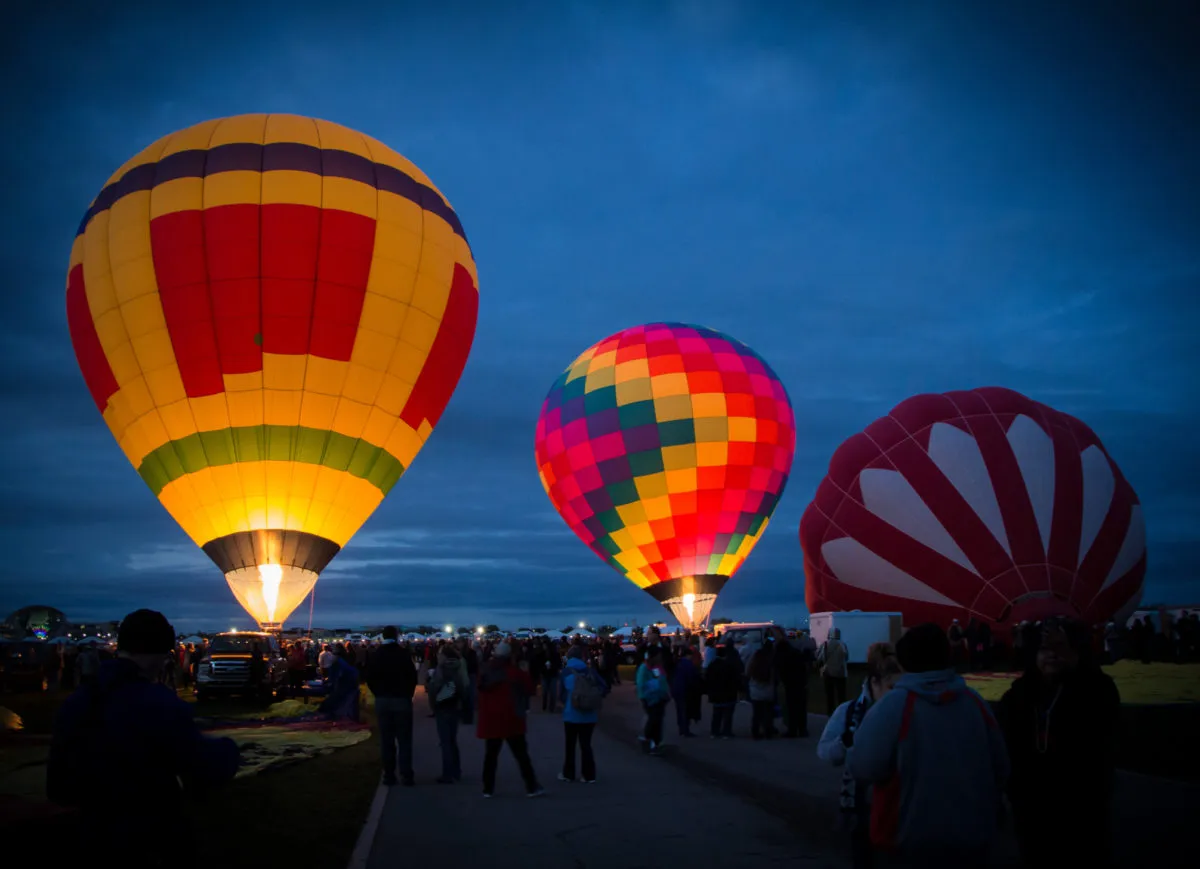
point(925, 761)
point(926, 764)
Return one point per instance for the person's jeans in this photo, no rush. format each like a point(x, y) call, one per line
point(447, 730)
point(549, 693)
point(582, 733)
point(795, 695)
point(395, 717)
point(520, 751)
point(681, 716)
point(761, 721)
point(654, 723)
point(722, 719)
point(835, 692)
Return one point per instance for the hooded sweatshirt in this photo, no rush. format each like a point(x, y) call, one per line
point(574, 669)
point(937, 759)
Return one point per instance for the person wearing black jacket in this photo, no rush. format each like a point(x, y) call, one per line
point(791, 667)
point(392, 678)
point(1060, 721)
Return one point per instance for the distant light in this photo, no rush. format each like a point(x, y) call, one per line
point(582, 625)
point(479, 630)
point(449, 629)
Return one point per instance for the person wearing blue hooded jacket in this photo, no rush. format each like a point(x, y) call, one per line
point(936, 757)
point(578, 724)
point(132, 738)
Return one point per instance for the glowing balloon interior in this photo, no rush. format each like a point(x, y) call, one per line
point(665, 447)
point(982, 504)
point(271, 312)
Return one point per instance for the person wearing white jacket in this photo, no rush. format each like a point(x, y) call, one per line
point(883, 670)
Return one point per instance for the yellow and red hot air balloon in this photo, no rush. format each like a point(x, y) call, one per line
point(271, 312)
point(666, 447)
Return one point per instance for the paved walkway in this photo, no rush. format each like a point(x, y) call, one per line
point(642, 812)
point(732, 801)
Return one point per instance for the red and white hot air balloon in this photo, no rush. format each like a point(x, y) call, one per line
point(980, 504)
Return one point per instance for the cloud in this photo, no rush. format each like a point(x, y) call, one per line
point(881, 204)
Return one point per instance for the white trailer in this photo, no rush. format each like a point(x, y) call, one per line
point(859, 630)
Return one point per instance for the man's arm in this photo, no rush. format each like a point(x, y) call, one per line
point(199, 759)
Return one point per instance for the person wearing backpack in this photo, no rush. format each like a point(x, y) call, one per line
point(653, 690)
point(448, 691)
point(582, 691)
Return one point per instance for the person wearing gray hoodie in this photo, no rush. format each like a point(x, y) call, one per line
point(936, 757)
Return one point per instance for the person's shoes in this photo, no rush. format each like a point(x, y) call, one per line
point(445, 780)
point(486, 795)
point(688, 735)
point(562, 777)
point(537, 792)
point(589, 781)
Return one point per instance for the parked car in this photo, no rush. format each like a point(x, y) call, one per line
point(231, 668)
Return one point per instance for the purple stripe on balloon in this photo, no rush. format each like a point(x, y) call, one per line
point(293, 156)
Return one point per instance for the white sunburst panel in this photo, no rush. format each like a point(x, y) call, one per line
point(893, 499)
point(853, 564)
point(957, 455)
point(1034, 451)
point(1098, 489)
point(1132, 548)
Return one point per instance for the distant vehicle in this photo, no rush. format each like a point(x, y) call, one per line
point(742, 634)
point(227, 668)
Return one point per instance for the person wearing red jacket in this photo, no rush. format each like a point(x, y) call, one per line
point(504, 692)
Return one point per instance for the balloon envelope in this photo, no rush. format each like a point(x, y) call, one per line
point(271, 312)
point(979, 504)
point(666, 447)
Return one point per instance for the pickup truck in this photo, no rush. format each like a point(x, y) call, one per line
point(232, 667)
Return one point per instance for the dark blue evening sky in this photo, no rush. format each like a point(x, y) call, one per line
point(917, 197)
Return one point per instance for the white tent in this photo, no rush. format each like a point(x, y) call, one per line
point(624, 633)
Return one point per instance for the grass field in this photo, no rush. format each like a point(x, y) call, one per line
point(308, 814)
point(1139, 683)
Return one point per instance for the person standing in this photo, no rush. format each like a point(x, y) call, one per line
point(448, 691)
point(392, 678)
point(653, 689)
point(791, 664)
point(883, 669)
point(834, 658)
point(1059, 721)
point(721, 681)
point(132, 734)
point(936, 758)
point(582, 692)
point(761, 687)
point(504, 692)
point(552, 669)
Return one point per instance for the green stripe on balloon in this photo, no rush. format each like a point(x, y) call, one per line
point(270, 443)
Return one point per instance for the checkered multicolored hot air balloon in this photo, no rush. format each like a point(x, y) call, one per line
point(271, 312)
point(978, 504)
point(666, 447)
